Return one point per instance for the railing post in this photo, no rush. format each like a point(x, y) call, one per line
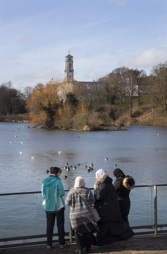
point(155, 210)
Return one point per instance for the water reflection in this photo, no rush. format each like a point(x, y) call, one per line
point(27, 153)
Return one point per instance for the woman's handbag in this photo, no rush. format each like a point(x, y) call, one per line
point(94, 211)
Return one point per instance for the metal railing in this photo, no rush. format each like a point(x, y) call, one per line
point(155, 200)
point(154, 228)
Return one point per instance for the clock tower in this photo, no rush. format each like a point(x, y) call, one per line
point(69, 68)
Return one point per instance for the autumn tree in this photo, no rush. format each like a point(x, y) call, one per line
point(82, 96)
point(44, 103)
point(71, 101)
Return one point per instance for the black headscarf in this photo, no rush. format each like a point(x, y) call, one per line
point(118, 173)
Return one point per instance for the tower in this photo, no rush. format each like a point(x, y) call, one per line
point(69, 68)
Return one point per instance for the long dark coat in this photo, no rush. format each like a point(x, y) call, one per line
point(122, 191)
point(112, 228)
point(106, 201)
point(123, 196)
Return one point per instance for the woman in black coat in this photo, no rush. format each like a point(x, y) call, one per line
point(123, 185)
point(111, 225)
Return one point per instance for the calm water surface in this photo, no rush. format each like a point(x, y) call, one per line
point(26, 153)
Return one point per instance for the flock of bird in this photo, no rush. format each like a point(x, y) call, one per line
point(68, 167)
point(89, 167)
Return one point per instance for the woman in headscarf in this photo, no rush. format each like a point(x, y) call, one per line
point(111, 225)
point(80, 199)
point(123, 185)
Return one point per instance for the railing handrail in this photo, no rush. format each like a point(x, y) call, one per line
point(36, 192)
point(154, 227)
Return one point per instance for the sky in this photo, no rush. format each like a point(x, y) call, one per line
point(101, 35)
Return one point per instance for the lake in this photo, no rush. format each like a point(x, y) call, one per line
point(27, 153)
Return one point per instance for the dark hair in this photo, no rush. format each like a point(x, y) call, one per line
point(54, 170)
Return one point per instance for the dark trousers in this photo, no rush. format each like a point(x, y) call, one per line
point(59, 217)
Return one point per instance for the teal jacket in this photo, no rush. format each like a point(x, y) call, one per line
point(52, 192)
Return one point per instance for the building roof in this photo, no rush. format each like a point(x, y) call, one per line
point(69, 56)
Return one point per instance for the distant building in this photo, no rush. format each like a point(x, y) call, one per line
point(89, 87)
point(69, 68)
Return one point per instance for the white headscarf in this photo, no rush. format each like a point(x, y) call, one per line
point(100, 172)
point(79, 182)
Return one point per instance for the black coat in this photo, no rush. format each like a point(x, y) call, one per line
point(122, 195)
point(112, 227)
point(106, 201)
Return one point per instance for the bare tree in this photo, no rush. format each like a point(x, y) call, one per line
point(12, 101)
point(159, 85)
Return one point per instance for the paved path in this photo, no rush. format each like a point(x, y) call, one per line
point(137, 245)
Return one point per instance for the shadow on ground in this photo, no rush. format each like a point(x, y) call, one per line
point(136, 245)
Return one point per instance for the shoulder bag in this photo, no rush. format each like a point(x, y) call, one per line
point(94, 211)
